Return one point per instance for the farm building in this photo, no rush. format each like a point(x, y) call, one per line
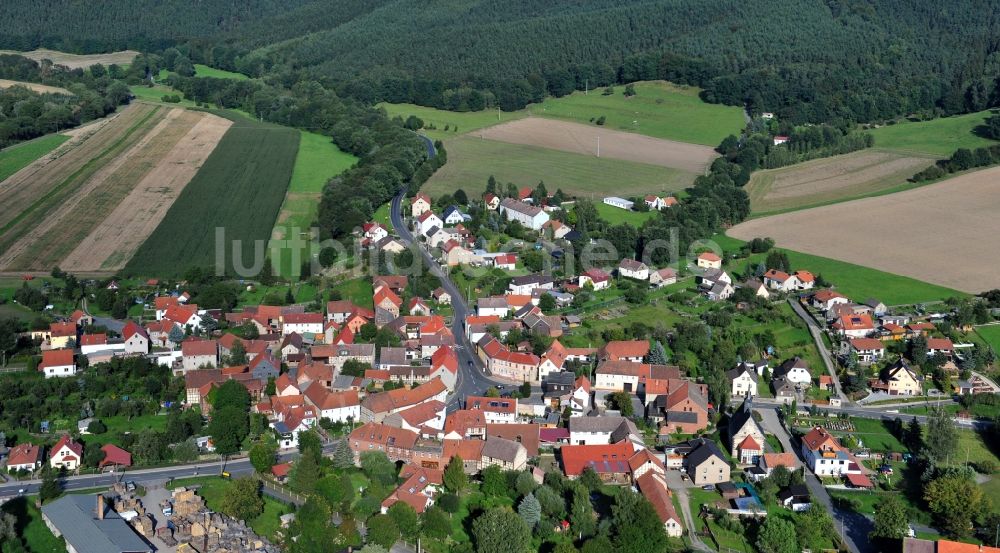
point(620, 203)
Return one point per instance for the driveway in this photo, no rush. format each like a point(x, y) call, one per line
point(816, 332)
point(680, 487)
point(853, 527)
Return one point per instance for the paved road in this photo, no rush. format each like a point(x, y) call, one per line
point(235, 467)
point(680, 487)
point(882, 413)
point(853, 526)
point(113, 325)
point(472, 378)
point(817, 334)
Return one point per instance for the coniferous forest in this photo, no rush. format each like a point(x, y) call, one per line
point(806, 60)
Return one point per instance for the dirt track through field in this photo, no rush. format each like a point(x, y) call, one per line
point(831, 179)
point(27, 197)
point(40, 88)
point(583, 139)
point(943, 233)
point(75, 61)
point(113, 242)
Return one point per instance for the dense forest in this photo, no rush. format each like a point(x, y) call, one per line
point(808, 61)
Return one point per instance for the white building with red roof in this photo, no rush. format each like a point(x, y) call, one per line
point(867, 350)
point(136, 338)
point(420, 204)
point(654, 488)
point(598, 278)
point(854, 326)
point(335, 406)
point(196, 353)
point(57, 363)
point(825, 456)
point(67, 454)
point(303, 324)
point(24, 457)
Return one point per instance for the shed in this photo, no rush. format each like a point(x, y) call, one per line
point(859, 481)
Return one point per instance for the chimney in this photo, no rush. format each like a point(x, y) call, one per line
point(100, 506)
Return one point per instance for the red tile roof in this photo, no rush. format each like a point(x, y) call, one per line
point(281, 470)
point(655, 490)
point(445, 357)
point(384, 402)
point(749, 444)
point(318, 395)
point(131, 329)
point(860, 481)
point(191, 347)
point(940, 344)
point(93, 339)
point(62, 330)
point(620, 349)
point(612, 458)
point(24, 454)
point(66, 441)
point(387, 436)
point(861, 344)
point(114, 455)
point(597, 275)
point(709, 256)
point(303, 318)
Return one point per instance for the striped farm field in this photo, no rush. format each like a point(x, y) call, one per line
point(89, 207)
point(238, 192)
point(19, 156)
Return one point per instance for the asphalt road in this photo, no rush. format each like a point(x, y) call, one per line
point(816, 333)
point(472, 378)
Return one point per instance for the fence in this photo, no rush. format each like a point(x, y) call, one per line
point(281, 493)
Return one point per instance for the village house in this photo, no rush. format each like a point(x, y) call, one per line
point(136, 338)
point(556, 229)
point(513, 365)
point(62, 335)
point(785, 390)
point(898, 379)
point(867, 350)
point(604, 429)
point(742, 382)
point(608, 461)
point(441, 296)
point(420, 204)
point(758, 288)
point(453, 253)
point(197, 353)
point(685, 410)
point(334, 406)
point(418, 489)
point(596, 278)
point(657, 203)
point(57, 363)
point(66, 454)
point(453, 216)
point(784, 282)
point(304, 324)
point(524, 285)
point(854, 326)
point(24, 457)
point(628, 376)
point(654, 488)
point(496, 410)
point(373, 232)
point(491, 201)
point(662, 277)
point(375, 407)
point(503, 453)
point(428, 222)
point(624, 350)
point(795, 370)
point(630, 268)
point(532, 217)
point(708, 260)
point(826, 299)
point(825, 456)
point(767, 462)
point(716, 284)
point(944, 346)
point(706, 464)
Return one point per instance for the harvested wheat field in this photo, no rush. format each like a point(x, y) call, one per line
point(56, 202)
point(944, 233)
point(583, 139)
point(39, 88)
point(75, 61)
point(113, 241)
point(831, 179)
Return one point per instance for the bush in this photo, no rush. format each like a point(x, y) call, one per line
point(97, 427)
point(600, 120)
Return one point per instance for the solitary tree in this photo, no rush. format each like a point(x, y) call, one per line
point(242, 499)
point(955, 500)
point(942, 437)
point(455, 479)
point(262, 455)
point(51, 487)
point(530, 510)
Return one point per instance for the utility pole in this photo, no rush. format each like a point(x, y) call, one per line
point(586, 87)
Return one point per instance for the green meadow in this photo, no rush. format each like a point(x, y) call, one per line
point(19, 156)
point(940, 137)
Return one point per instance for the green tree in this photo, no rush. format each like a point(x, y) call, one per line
point(914, 438)
point(382, 530)
point(955, 501)
point(9, 328)
point(525, 483)
point(311, 445)
point(777, 535)
point(343, 457)
point(311, 528)
point(378, 467)
point(494, 482)
point(97, 427)
point(891, 518)
point(176, 335)
point(942, 436)
point(547, 303)
point(622, 401)
point(598, 544)
point(262, 455)
point(305, 474)
point(530, 510)
point(231, 393)
point(238, 354)
point(228, 427)
point(449, 502)
point(500, 530)
point(635, 525)
point(434, 523)
point(406, 519)
point(581, 515)
point(337, 490)
point(590, 479)
point(51, 486)
point(455, 479)
point(553, 504)
point(813, 527)
point(242, 499)
point(185, 451)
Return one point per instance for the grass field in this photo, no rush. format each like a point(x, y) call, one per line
point(990, 334)
point(854, 281)
point(938, 137)
point(30, 527)
point(18, 156)
point(833, 179)
point(317, 161)
point(471, 161)
point(155, 94)
point(206, 71)
point(615, 215)
point(457, 122)
point(239, 189)
point(658, 109)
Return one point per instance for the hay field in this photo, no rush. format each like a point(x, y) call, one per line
point(76, 61)
point(114, 240)
point(472, 160)
point(589, 140)
point(831, 179)
point(943, 233)
point(39, 88)
point(98, 181)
